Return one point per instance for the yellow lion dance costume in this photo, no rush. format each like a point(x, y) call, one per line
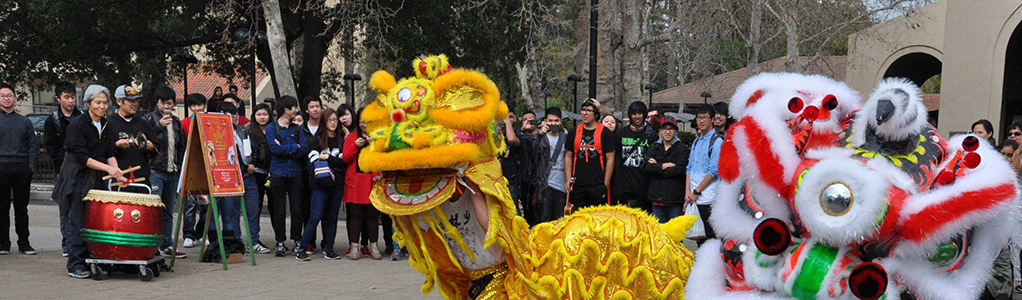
point(435, 142)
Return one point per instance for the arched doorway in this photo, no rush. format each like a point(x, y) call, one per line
point(1011, 99)
point(924, 70)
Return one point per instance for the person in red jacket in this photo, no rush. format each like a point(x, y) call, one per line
point(357, 186)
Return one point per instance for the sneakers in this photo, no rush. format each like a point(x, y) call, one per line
point(80, 274)
point(310, 249)
point(301, 255)
point(354, 253)
point(296, 250)
point(5, 250)
point(64, 254)
point(260, 248)
point(365, 251)
point(168, 252)
point(396, 255)
point(374, 251)
point(190, 243)
point(330, 254)
point(26, 249)
point(281, 249)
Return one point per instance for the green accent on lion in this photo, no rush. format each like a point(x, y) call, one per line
point(396, 143)
point(122, 239)
point(814, 269)
point(945, 252)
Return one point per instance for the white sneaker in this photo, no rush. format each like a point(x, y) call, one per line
point(190, 243)
point(259, 248)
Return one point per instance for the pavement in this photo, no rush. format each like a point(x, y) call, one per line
point(44, 276)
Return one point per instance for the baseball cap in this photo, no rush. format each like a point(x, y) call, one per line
point(669, 120)
point(127, 92)
point(594, 103)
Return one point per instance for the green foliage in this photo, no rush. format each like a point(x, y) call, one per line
point(932, 85)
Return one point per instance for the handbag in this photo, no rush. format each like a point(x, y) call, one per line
point(323, 174)
point(698, 230)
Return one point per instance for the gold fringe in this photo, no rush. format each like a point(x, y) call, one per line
point(124, 197)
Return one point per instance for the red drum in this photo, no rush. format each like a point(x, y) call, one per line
point(122, 226)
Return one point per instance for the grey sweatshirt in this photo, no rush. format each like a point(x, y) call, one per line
point(17, 139)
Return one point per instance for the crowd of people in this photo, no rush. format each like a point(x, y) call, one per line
point(305, 162)
point(552, 170)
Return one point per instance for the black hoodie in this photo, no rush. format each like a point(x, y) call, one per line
point(130, 157)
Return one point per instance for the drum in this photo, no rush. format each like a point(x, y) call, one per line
point(122, 226)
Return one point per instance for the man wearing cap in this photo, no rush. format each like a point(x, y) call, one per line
point(630, 180)
point(588, 160)
point(666, 162)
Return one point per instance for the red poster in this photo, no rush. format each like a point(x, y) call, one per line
point(216, 137)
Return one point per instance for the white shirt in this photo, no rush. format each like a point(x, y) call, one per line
point(313, 129)
point(99, 126)
point(461, 214)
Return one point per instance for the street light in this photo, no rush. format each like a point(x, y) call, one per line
point(705, 95)
point(259, 38)
point(576, 78)
point(651, 87)
point(184, 60)
point(351, 78)
point(546, 95)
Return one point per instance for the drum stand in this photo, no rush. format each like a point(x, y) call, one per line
point(214, 212)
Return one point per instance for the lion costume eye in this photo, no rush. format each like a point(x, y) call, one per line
point(404, 94)
point(836, 199)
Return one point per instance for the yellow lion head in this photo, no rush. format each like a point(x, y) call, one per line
point(428, 129)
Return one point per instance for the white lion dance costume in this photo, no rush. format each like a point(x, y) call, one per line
point(823, 199)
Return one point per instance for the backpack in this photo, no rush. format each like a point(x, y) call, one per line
point(597, 144)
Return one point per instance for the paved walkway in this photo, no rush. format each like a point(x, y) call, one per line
point(44, 276)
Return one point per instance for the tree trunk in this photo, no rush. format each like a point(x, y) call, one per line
point(607, 72)
point(631, 53)
point(278, 48)
point(523, 85)
point(755, 37)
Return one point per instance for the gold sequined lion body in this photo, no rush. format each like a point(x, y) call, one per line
point(435, 142)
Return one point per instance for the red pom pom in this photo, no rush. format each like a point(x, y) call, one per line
point(811, 113)
point(829, 102)
point(972, 160)
point(795, 105)
point(970, 144)
point(772, 236)
point(397, 115)
point(868, 281)
point(945, 177)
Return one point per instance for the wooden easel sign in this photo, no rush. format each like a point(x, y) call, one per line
point(211, 164)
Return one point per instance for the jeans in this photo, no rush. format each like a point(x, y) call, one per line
point(192, 229)
point(551, 205)
point(16, 180)
point(76, 250)
point(325, 205)
point(230, 210)
point(665, 213)
point(704, 213)
point(286, 190)
point(253, 206)
point(165, 185)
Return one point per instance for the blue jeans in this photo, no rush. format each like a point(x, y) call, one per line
point(666, 213)
point(325, 206)
point(230, 209)
point(165, 185)
point(192, 229)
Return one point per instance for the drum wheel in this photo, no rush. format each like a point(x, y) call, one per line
point(97, 272)
point(145, 273)
point(156, 270)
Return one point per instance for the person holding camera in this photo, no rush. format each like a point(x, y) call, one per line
point(169, 140)
point(548, 178)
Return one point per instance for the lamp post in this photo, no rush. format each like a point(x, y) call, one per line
point(259, 38)
point(184, 60)
point(576, 78)
point(651, 87)
point(705, 95)
point(546, 95)
point(351, 78)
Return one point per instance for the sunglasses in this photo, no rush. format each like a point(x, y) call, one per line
point(1015, 133)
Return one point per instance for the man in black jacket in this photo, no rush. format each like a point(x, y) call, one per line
point(131, 149)
point(53, 139)
point(170, 141)
point(548, 159)
point(630, 181)
point(17, 159)
point(665, 164)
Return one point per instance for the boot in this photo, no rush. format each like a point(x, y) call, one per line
point(374, 251)
point(354, 253)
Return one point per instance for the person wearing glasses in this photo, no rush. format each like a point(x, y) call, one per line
point(701, 172)
point(17, 160)
point(1015, 134)
point(589, 160)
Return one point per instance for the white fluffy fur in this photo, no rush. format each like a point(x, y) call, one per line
point(707, 280)
point(899, 126)
point(778, 88)
point(869, 196)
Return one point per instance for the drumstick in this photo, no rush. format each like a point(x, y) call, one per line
point(129, 170)
point(121, 184)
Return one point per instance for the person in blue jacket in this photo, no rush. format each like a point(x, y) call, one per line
point(288, 149)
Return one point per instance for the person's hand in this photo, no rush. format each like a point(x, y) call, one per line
point(690, 198)
point(510, 119)
point(360, 141)
point(543, 129)
point(122, 143)
point(116, 173)
point(324, 156)
point(165, 121)
point(251, 168)
point(667, 165)
point(652, 161)
point(567, 187)
point(149, 145)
